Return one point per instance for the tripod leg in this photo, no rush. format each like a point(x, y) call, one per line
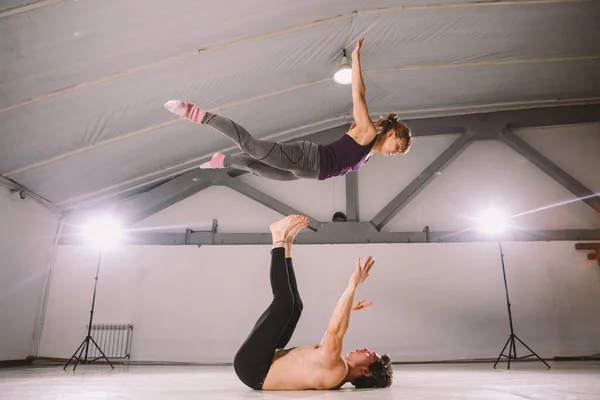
point(514, 346)
point(502, 352)
point(73, 356)
point(511, 346)
point(532, 352)
point(86, 343)
point(101, 352)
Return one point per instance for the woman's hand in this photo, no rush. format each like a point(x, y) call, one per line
point(356, 51)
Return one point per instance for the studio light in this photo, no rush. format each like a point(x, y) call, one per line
point(492, 222)
point(103, 232)
point(343, 76)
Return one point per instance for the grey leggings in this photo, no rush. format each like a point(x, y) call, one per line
point(278, 161)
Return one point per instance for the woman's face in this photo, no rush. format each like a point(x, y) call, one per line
point(392, 145)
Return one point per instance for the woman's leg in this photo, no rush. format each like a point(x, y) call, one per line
point(300, 158)
point(253, 360)
point(246, 163)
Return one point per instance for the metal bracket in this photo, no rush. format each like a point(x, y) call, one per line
point(427, 234)
point(595, 256)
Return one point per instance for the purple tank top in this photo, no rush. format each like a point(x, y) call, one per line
point(344, 155)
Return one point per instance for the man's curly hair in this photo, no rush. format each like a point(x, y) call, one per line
point(381, 375)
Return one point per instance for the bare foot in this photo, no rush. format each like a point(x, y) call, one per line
point(280, 229)
point(297, 228)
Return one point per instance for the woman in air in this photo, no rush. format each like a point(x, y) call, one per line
point(303, 159)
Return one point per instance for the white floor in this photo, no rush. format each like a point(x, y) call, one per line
point(525, 380)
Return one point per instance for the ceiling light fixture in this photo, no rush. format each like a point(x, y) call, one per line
point(343, 76)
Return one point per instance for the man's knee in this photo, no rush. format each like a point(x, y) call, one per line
point(284, 304)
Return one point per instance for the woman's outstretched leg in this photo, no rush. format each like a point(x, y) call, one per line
point(246, 163)
point(301, 158)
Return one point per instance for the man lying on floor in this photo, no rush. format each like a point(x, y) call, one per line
point(263, 363)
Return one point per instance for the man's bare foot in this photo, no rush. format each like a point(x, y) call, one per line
point(280, 229)
point(289, 239)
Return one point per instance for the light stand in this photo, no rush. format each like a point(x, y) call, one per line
point(512, 350)
point(86, 342)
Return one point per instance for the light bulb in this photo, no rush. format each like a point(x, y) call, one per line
point(492, 222)
point(103, 232)
point(343, 76)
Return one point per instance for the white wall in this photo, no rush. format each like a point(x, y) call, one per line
point(27, 231)
point(431, 301)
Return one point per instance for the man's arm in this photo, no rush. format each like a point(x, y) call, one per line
point(338, 325)
point(339, 321)
point(365, 130)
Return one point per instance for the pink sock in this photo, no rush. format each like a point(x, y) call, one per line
point(216, 162)
point(186, 110)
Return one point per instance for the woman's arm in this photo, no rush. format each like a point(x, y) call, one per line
point(364, 131)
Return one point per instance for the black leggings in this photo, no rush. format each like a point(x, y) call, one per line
point(275, 326)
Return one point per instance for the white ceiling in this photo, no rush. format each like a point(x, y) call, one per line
point(83, 82)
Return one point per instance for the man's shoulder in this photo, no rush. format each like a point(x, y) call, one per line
point(327, 361)
point(332, 372)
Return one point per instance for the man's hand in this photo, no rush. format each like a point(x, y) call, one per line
point(361, 304)
point(356, 51)
point(361, 272)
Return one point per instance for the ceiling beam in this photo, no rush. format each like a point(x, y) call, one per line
point(551, 116)
point(26, 7)
point(421, 181)
point(137, 208)
point(551, 169)
point(163, 196)
point(167, 194)
point(264, 199)
point(348, 233)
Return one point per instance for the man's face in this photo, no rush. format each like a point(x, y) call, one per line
point(363, 357)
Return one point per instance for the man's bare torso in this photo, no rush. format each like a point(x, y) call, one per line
point(302, 368)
